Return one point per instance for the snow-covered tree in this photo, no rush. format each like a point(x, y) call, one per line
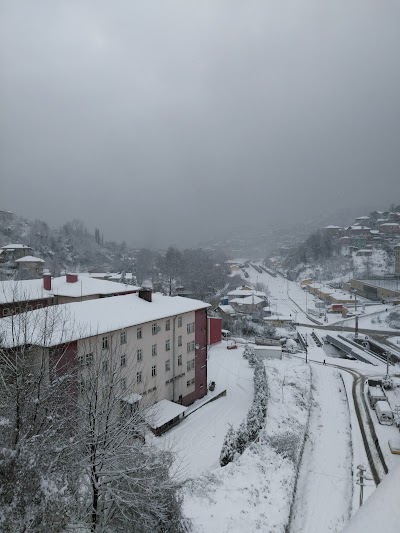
point(37, 478)
point(248, 350)
point(242, 437)
point(228, 448)
point(127, 482)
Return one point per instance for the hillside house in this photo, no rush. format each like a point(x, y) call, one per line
point(29, 267)
point(12, 252)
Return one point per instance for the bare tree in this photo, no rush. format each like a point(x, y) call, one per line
point(36, 473)
point(127, 479)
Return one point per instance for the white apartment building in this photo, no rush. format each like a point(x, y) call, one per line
point(159, 343)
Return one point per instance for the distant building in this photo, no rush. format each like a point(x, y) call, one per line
point(377, 289)
point(333, 231)
point(29, 267)
point(12, 252)
point(397, 259)
point(390, 228)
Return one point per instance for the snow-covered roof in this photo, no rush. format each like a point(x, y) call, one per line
point(85, 319)
point(249, 300)
point(16, 247)
point(331, 226)
point(364, 217)
point(358, 228)
point(391, 224)
point(32, 289)
point(162, 412)
point(132, 398)
point(29, 259)
point(227, 309)
point(281, 318)
point(245, 292)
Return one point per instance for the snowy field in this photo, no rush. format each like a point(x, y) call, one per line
point(197, 441)
point(377, 321)
point(325, 473)
point(255, 491)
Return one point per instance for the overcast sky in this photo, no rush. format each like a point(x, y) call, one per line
point(165, 121)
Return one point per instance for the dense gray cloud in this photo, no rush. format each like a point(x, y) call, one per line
point(166, 121)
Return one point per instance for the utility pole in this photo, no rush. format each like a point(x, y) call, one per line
point(387, 362)
point(362, 477)
point(306, 349)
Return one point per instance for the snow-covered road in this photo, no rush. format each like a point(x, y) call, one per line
point(324, 490)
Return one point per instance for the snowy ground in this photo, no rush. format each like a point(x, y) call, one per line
point(255, 492)
point(325, 473)
point(197, 441)
point(375, 321)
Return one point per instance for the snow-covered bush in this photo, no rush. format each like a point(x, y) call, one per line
point(228, 448)
point(247, 351)
point(387, 383)
point(393, 319)
point(248, 431)
point(286, 444)
point(251, 356)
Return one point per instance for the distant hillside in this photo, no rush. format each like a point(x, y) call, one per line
point(323, 251)
point(70, 247)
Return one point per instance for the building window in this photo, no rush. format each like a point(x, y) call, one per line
point(190, 365)
point(123, 359)
point(154, 350)
point(139, 333)
point(139, 354)
point(105, 343)
point(188, 383)
point(167, 365)
point(190, 328)
point(123, 337)
point(168, 325)
point(89, 359)
point(190, 346)
point(179, 340)
point(179, 360)
point(167, 345)
point(82, 386)
point(138, 377)
point(153, 371)
point(154, 328)
point(179, 321)
point(104, 366)
point(81, 361)
point(123, 384)
point(192, 381)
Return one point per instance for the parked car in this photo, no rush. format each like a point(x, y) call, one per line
point(384, 413)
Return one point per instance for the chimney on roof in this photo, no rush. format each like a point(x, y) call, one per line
point(47, 281)
point(72, 278)
point(145, 294)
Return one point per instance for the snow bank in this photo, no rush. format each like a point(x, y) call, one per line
point(255, 492)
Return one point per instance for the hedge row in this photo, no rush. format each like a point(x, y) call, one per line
point(236, 441)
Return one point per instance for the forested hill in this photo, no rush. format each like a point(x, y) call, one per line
point(71, 246)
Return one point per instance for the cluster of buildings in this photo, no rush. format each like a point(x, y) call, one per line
point(17, 261)
point(367, 232)
point(157, 344)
